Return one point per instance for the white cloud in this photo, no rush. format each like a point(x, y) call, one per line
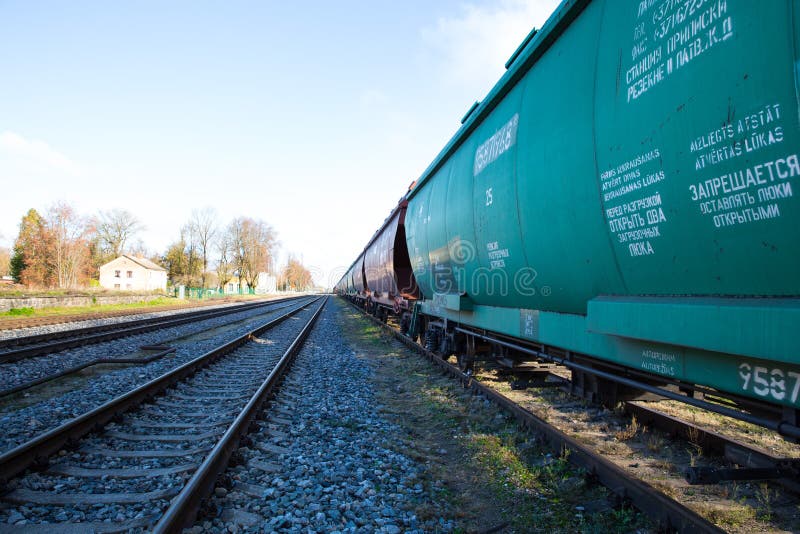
point(473, 46)
point(37, 151)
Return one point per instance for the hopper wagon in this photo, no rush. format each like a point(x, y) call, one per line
point(623, 201)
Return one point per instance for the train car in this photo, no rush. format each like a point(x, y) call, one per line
point(349, 283)
point(623, 197)
point(356, 288)
point(382, 280)
point(387, 268)
point(340, 288)
point(360, 288)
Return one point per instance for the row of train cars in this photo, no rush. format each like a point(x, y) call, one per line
point(621, 201)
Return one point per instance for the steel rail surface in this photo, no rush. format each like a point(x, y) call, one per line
point(667, 512)
point(41, 447)
point(115, 331)
point(183, 509)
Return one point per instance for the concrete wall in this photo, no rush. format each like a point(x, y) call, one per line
point(50, 302)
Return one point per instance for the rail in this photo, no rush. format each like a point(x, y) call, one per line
point(97, 334)
point(37, 450)
point(183, 508)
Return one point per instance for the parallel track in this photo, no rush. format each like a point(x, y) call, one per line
point(197, 415)
point(15, 323)
point(15, 349)
point(782, 470)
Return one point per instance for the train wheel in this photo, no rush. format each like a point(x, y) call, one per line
point(465, 363)
point(405, 324)
point(466, 359)
point(431, 339)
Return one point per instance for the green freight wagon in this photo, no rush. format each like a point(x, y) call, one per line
point(626, 192)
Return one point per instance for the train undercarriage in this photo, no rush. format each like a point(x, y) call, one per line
point(537, 365)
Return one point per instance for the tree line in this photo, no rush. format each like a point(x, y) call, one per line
point(59, 248)
point(241, 249)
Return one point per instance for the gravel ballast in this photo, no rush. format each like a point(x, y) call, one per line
point(152, 449)
point(21, 425)
point(366, 436)
point(327, 450)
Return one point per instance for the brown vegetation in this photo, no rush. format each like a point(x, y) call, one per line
point(295, 277)
point(63, 250)
point(5, 261)
point(244, 248)
point(52, 250)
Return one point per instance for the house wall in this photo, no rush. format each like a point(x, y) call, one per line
point(266, 284)
point(125, 274)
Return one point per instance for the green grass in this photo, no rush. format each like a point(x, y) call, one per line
point(554, 489)
point(17, 291)
point(502, 463)
point(95, 308)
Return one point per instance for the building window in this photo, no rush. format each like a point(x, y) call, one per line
point(117, 274)
point(130, 274)
point(127, 286)
point(116, 286)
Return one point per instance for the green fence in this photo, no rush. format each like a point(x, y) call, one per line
point(201, 293)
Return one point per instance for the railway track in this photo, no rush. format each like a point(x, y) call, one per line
point(16, 323)
point(161, 446)
point(49, 361)
point(19, 348)
point(755, 463)
point(629, 487)
point(61, 397)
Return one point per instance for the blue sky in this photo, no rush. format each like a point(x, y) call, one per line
point(313, 116)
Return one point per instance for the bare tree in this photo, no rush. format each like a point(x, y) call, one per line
point(115, 228)
point(139, 249)
point(5, 261)
point(204, 228)
point(252, 244)
point(70, 251)
point(295, 276)
point(225, 267)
